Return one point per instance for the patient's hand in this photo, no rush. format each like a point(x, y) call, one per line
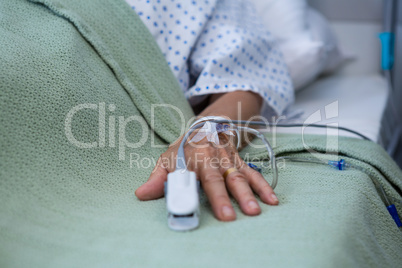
point(210, 162)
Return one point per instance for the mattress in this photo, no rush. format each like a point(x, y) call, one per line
point(356, 102)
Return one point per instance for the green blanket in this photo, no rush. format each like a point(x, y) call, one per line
point(77, 84)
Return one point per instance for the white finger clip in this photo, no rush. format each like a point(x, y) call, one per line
point(182, 200)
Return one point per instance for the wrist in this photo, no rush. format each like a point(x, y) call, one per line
point(226, 131)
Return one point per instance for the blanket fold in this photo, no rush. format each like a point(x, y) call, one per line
point(125, 45)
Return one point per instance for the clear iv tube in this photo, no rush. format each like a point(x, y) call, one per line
point(346, 165)
point(181, 163)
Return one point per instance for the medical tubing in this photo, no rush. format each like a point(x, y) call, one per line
point(345, 165)
point(266, 124)
point(181, 163)
point(323, 126)
point(212, 118)
point(198, 124)
point(271, 153)
point(340, 165)
point(391, 208)
point(376, 184)
point(303, 160)
point(337, 164)
point(393, 108)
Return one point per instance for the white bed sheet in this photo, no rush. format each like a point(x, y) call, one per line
point(355, 101)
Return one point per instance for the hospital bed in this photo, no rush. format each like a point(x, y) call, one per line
point(357, 95)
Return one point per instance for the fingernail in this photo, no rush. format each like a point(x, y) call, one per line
point(227, 211)
point(252, 205)
point(274, 197)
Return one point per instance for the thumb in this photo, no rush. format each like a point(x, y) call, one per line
point(154, 187)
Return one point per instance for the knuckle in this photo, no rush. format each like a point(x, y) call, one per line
point(212, 178)
point(235, 178)
point(256, 174)
point(220, 198)
point(210, 149)
point(164, 161)
point(205, 148)
point(160, 159)
point(252, 173)
point(163, 156)
point(224, 153)
point(238, 162)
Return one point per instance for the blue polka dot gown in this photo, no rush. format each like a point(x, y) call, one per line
point(218, 46)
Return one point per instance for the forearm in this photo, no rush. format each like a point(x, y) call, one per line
point(237, 105)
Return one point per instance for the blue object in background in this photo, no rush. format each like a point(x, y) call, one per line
point(387, 50)
point(341, 165)
point(254, 167)
point(392, 210)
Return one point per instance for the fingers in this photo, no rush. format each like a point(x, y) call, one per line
point(238, 186)
point(215, 189)
point(154, 187)
point(259, 185)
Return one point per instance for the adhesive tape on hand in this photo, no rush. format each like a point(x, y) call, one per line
point(210, 130)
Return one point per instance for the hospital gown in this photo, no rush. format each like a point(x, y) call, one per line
point(218, 46)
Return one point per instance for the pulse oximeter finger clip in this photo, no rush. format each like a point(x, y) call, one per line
point(181, 188)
